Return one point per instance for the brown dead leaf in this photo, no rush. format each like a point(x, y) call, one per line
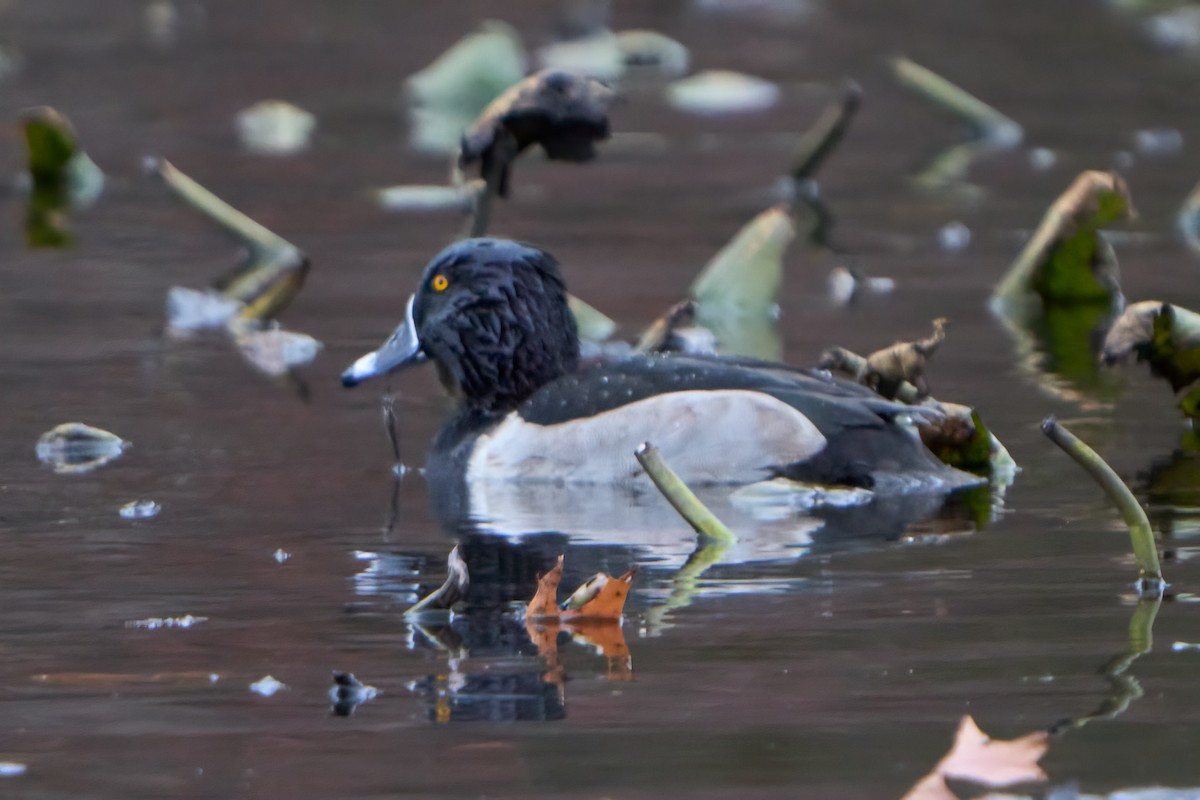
point(978, 758)
point(564, 112)
point(887, 369)
point(609, 602)
point(545, 603)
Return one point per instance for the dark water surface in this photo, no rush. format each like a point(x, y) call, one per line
point(822, 658)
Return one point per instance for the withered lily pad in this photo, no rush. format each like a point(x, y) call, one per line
point(61, 176)
point(472, 72)
point(1067, 260)
point(275, 351)
point(74, 448)
point(564, 112)
point(1165, 336)
point(717, 92)
point(275, 127)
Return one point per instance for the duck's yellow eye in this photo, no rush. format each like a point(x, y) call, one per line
point(440, 282)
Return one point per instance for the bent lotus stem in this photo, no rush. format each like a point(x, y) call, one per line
point(987, 121)
point(1150, 580)
point(703, 521)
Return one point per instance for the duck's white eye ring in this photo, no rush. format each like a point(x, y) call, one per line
point(439, 283)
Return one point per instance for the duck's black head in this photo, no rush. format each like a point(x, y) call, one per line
point(492, 314)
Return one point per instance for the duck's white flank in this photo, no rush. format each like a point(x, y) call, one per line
point(730, 436)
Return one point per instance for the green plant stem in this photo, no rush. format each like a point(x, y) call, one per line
point(987, 121)
point(703, 521)
point(1144, 548)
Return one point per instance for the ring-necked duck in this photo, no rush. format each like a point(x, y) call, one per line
point(492, 315)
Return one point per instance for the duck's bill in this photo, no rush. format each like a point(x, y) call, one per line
point(402, 349)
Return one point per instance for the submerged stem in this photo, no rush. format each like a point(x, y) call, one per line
point(703, 521)
point(1144, 548)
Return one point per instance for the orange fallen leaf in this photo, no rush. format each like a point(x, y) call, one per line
point(978, 758)
point(608, 603)
point(545, 602)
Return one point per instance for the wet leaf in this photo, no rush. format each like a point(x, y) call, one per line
point(276, 351)
point(563, 112)
point(717, 92)
point(1067, 260)
point(472, 72)
point(267, 686)
point(597, 55)
point(959, 438)
point(275, 127)
point(608, 603)
point(545, 602)
point(587, 591)
point(62, 177)
point(429, 198)
point(593, 325)
point(73, 448)
point(600, 597)
point(744, 277)
point(1166, 336)
point(452, 591)
point(978, 758)
point(846, 284)
point(651, 51)
point(903, 362)
point(139, 509)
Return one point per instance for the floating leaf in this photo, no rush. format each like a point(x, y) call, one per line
point(593, 325)
point(744, 277)
point(651, 51)
point(74, 448)
point(473, 72)
point(545, 602)
point(275, 127)
point(597, 55)
point(267, 686)
point(62, 177)
point(564, 112)
point(718, 92)
point(275, 351)
point(1166, 336)
point(452, 591)
point(600, 597)
point(139, 509)
point(608, 603)
point(1067, 260)
point(429, 198)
